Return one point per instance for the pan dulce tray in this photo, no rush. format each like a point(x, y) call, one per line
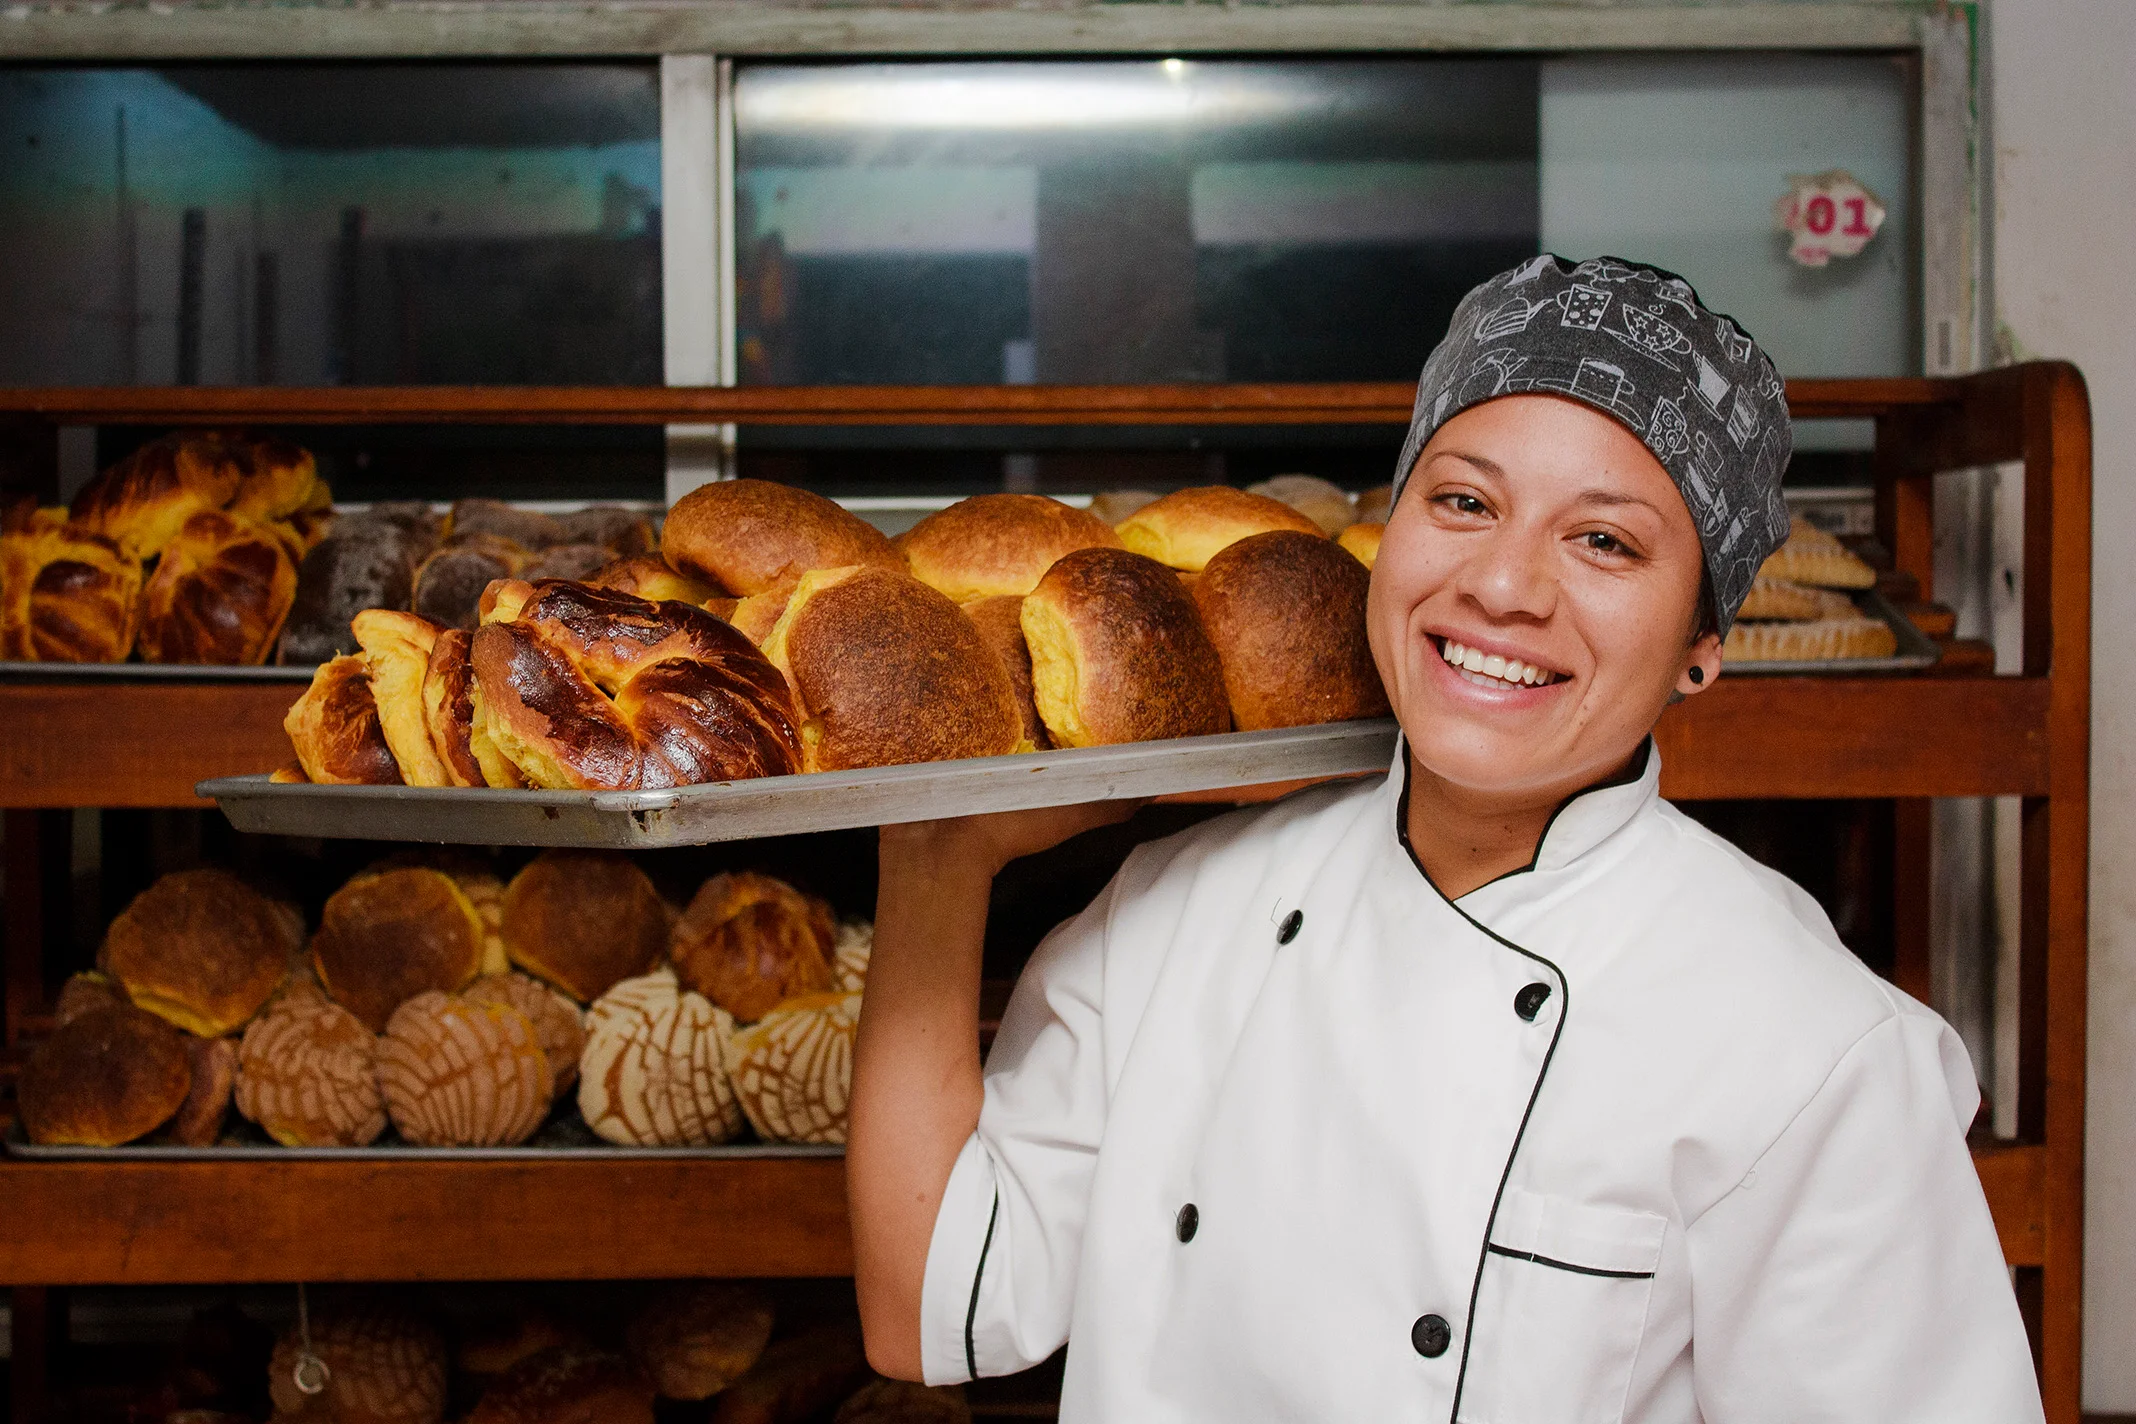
point(812, 801)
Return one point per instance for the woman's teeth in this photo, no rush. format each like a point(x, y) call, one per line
point(1491, 670)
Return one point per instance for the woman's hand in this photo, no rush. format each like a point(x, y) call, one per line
point(991, 841)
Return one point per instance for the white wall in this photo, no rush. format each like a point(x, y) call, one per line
point(2063, 136)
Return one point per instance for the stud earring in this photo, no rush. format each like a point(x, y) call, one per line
point(1698, 677)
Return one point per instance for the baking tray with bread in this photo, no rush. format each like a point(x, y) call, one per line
point(1814, 608)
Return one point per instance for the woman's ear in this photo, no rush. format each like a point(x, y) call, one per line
point(1702, 665)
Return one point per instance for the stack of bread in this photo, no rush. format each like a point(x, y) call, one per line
point(1799, 609)
point(184, 552)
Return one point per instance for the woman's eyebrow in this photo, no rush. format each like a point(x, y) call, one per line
point(1612, 498)
point(1488, 466)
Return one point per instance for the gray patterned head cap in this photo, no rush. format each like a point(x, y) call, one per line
point(1634, 342)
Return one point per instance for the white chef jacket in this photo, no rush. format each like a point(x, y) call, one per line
point(1274, 1131)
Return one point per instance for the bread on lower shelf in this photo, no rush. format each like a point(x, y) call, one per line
point(694, 1338)
point(463, 1072)
point(107, 1078)
point(748, 942)
point(654, 1071)
point(384, 1364)
point(793, 1069)
point(307, 1074)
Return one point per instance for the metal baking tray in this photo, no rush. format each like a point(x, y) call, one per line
point(152, 672)
point(814, 801)
point(1916, 649)
point(249, 1145)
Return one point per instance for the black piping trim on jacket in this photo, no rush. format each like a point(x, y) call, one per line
point(971, 1312)
point(1497, 1250)
point(1468, 1325)
point(1629, 775)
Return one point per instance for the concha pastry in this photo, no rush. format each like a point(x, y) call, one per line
point(383, 1366)
point(558, 1023)
point(849, 956)
point(654, 1072)
point(307, 1073)
point(460, 1072)
point(793, 1071)
point(694, 1338)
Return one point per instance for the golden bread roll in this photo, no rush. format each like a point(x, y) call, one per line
point(1286, 614)
point(449, 710)
point(888, 1401)
point(199, 1119)
point(280, 479)
point(462, 1072)
point(648, 576)
point(143, 501)
point(995, 545)
point(801, 1377)
point(886, 671)
point(384, 1365)
point(745, 536)
point(1363, 541)
point(1327, 505)
point(793, 1069)
point(219, 593)
point(759, 613)
point(584, 920)
point(694, 1338)
point(850, 952)
point(1000, 623)
point(385, 938)
point(1118, 653)
point(747, 941)
point(85, 992)
point(654, 1073)
point(396, 650)
point(1811, 556)
point(1376, 505)
point(200, 948)
point(103, 1079)
point(568, 1384)
point(67, 596)
point(1848, 636)
point(584, 689)
point(335, 730)
point(486, 1350)
point(559, 1026)
point(470, 871)
point(1776, 599)
point(307, 1073)
point(1189, 527)
point(1115, 505)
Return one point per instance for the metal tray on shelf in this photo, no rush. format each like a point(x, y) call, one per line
point(1916, 649)
point(152, 672)
point(813, 801)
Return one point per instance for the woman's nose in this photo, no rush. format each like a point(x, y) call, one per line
point(1510, 576)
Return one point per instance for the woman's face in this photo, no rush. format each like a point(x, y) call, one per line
point(1533, 599)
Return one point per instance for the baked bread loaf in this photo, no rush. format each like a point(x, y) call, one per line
point(888, 1401)
point(1115, 505)
point(566, 561)
point(654, 1071)
point(470, 871)
point(396, 650)
point(366, 560)
point(799, 1378)
point(1775, 599)
point(648, 576)
point(335, 730)
point(1286, 614)
point(200, 948)
point(1376, 505)
point(568, 1384)
point(1189, 527)
point(584, 920)
point(748, 941)
point(1847, 636)
point(759, 613)
point(1363, 541)
point(694, 1338)
point(84, 993)
point(1811, 556)
point(995, 545)
point(885, 671)
point(280, 478)
point(850, 952)
point(307, 1073)
point(219, 594)
point(1327, 505)
point(745, 536)
point(484, 1351)
point(143, 500)
point(793, 1069)
point(449, 710)
point(559, 1026)
point(1118, 653)
point(583, 689)
point(67, 596)
point(449, 583)
point(461, 1072)
point(385, 938)
point(384, 1365)
point(625, 533)
point(1000, 625)
point(103, 1079)
point(199, 1119)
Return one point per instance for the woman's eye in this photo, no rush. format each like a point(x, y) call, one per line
point(1603, 542)
point(1465, 504)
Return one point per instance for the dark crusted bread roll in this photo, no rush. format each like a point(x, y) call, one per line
point(885, 670)
point(749, 941)
point(528, 528)
point(995, 545)
point(448, 586)
point(67, 596)
point(384, 938)
point(1000, 623)
point(219, 593)
point(280, 478)
point(747, 536)
point(104, 1079)
point(1118, 653)
point(623, 532)
point(145, 499)
point(367, 560)
point(694, 1338)
point(1188, 527)
point(650, 576)
point(200, 948)
point(888, 1401)
point(335, 730)
point(800, 1377)
point(566, 561)
point(584, 920)
point(568, 1384)
point(585, 689)
point(1286, 613)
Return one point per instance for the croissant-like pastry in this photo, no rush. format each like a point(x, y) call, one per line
point(66, 596)
point(219, 594)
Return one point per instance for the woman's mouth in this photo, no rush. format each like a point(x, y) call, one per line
point(1493, 670)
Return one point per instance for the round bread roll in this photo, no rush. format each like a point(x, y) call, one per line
point(759, 613)
point(694, 1338)
point(1286, 614)
point(385, 938)
point(1000, 623)
point(747, 941)
point(461, 1072)
point(366, 560)
point(886, 671)
point(1118, 653)
point(486, 1350)
point(888, 1401)
point(67, 596)
point(626, 532)
point(746, 536)
point(558, 1023)
point(307, 1073)
point(1115, 505)
point(200, 948)
point(143, 501)
point(566, 561)
point(1189, 527)
point(335, 730)
point(103, 1079)
point(470, 870)
point(654, 1072)
point(449, 583)
point(528, 529)
point(396, 649)
point(568, 1384)
point(801, 1376)
point(850, 953)
point(1376, 505)
point(219, 594)
point(793, 1070)
point(84, 993)
point(649, 576)
point(384, 1365)
point(1363, 541)
point(1327, 505)
point(199, 1119)
point(584, 920)
point(995, 545)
